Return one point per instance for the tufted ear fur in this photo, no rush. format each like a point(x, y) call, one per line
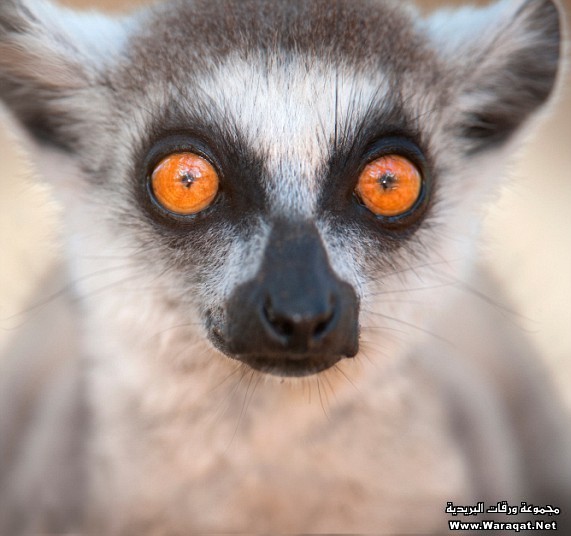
point(50, 57)
point(505, 60)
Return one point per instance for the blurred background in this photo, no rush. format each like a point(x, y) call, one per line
point(528, 232)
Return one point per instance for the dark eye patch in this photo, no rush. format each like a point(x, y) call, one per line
point(240, 171)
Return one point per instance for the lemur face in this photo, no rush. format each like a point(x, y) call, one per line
point(278, 173)
point(286, 249)
point(281, 256)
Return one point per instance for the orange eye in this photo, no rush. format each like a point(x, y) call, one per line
point(184, 183)
point(390, 186)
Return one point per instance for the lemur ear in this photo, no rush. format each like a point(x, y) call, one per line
point(49, 57)
point(506, 59)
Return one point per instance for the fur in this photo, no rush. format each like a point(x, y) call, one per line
point(143, 425)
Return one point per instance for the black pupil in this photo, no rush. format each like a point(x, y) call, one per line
point(187, 180)
point(388, 181)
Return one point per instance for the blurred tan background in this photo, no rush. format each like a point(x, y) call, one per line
point(528, 232)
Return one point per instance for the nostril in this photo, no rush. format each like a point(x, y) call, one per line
point(298, 328)
point(281, 326)
point(323, 326)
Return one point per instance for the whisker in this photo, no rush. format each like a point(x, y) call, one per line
point(408, 324)
point(230, 395)
point(382, 328)
point(242, 409)
point(172, 328)
point(63, 291)
point(342, 372)
point(327, 381)
point(321, 399)
point(224, 380)
point(386, 292)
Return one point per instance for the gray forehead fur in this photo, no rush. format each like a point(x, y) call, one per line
point(368, 31)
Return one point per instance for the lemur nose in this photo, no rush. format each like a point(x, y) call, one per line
point(296, 316)
point(299, 326)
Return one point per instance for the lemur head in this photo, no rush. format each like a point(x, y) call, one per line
point(269, 177)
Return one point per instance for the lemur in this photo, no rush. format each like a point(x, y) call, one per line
point(271, 315)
